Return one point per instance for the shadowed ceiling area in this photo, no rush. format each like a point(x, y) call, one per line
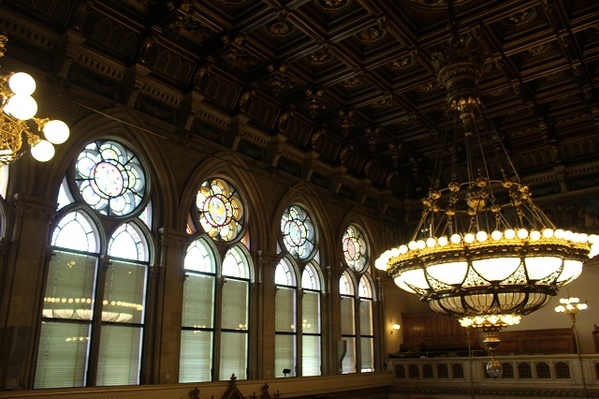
point(341, 93)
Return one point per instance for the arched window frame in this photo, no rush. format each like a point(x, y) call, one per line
point(108, 285)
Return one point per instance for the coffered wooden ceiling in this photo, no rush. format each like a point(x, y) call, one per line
point(329, 88)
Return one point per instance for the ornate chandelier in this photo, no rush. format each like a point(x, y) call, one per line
point(17, 109)
point(483, 252)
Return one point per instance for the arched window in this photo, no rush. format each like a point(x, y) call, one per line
point(508, 370)
point(427, 371)
point(562, 370)
point(457, 370)
point(285, 320)
point(215, 348)
point(93, 317)
point(524, 370)
point(297, 304)
point(442, 371)
point(357, 295)
point(543, 370)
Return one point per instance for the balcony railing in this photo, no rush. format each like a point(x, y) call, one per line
point(539, 376)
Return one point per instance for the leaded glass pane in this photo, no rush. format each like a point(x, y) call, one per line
point(199, 258)
point(128, 242)
point(310, 279)
point(220, 210)
point(345, 285)
point(235, 264)
point(355, 249)
point(75, 231)
point(110, 178)
point(298, 232)
point(284, 274)
point(364, 288)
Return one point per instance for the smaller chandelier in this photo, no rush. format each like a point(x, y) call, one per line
point(17, 117)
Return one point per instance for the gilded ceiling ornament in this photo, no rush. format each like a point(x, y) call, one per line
point(383, 102)
point(373, 33)
point(428, 87)
point(540, 49)
point(280, 80)
point(373, 136)
point(354, 81)
point(317, 135)
point(316, 102)
point(405, 61)
point(347, 122)
point(321, 56)
point(522, 17)
point(436, 3)
point(333, 5)
point(237, 53)
point(394, 149)
point(281, 27)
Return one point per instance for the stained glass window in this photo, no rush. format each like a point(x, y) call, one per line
point(355, 249)
point(83, 307)
point(110, 178)
point(298, 232)
point(220, 210)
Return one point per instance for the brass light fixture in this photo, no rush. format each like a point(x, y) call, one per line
point(17, 117)
point(483, 252)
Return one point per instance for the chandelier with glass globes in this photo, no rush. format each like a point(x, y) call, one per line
point(483, 251)
point(17, 119)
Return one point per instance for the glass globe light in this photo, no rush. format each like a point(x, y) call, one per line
point(43, 151)
point(494, 368)
point(22, 83)
point(21, 106)
point(56, 132)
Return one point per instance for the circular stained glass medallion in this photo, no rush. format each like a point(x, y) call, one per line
point(110, 178)
point(220, 210)
point(298, 232)
point(354, 248)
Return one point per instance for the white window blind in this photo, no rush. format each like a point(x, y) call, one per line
point(124, 292)
point(311, 312)
point(348, 365)
point(311, 355)
point(347, 316)
point(235, 304)
point(198, 301)
point(62, 356)
point(285, 309)
point(367, 353)
point(285, 354)
point(233, 355)
point(120, 355)
point(195, 362)
point(365, 316)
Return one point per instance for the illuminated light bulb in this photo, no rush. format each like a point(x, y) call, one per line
point(522, 234)
point(548, 233)
point(510, 234)
point(469, 238)
point(568, 235)
point(412, 245)
point(584, 237)
point(443, 241)
point(21, 106)
point(455, 238)
point(22, 83)
point(496, 235)
point(43, 151)
point(482, 236)
point(403, 249)
point(420, 244)
point(535, 235)
point(431, 242)
point(559, 234)
point(394, 252)
point(56, 132)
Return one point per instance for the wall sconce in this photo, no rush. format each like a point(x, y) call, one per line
point(395, 327)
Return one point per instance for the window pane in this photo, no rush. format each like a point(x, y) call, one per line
point(62, 355)
point(299, 234)
point(124, 293)
point(70, 286)
point(347, 316)
point(129, 243)
point(199, 258)
point(234, 264)
point(365, 317)
point(284, 274)
point(285, 354)
point(120, 355)
point(311, 312)
point(220, 210)
point(198, 301)
point(235, 305)
point(367, 352)
point(195, 363)
point(233, 355)
point(348, 365)
point(310, 355)
point(285, 309)
point(310, 278)
point(75, 231)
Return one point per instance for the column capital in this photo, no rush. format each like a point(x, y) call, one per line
point(35, 207)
